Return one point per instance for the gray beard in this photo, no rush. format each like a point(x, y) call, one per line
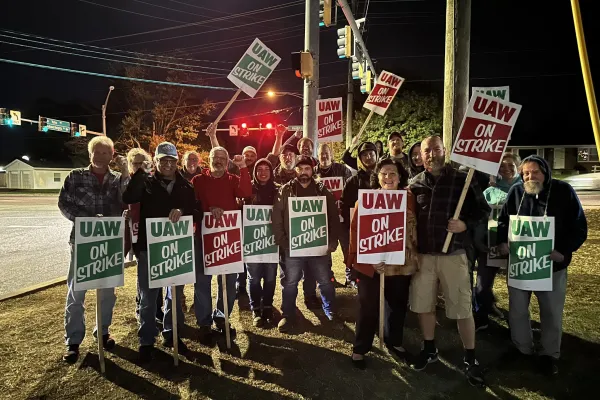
point(533, 187)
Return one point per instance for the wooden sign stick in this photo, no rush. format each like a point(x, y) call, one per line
point(364, 125)
point(174, 315)
point(99, 330)
point(226, 311)
point(461, 200)
point(235, 96)
point(381, 308)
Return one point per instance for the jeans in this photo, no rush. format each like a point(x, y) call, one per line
point(484, 290)
point(241, 279)
point(264, 293)
point(148, 302)
point(294, 267)
point(74, 309)
point(551, 305)
point(159, 297)
point(396, 299)
point(205, 315)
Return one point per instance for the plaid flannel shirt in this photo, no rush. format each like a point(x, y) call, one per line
point(83, 196)
point(437, 198)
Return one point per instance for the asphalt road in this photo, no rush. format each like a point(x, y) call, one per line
point(34, 239)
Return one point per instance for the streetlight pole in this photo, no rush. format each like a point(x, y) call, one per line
point(110, 89)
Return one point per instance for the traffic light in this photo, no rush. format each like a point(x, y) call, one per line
point(75, 130)
point(43, 124)
point(5, 117)
point(269, 125)
point(357, 70)
point(243, 129)
point(366, 82)
point(302, 64)
point(344, 42)
point(325, 12)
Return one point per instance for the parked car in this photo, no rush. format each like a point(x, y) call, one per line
point(584, 181)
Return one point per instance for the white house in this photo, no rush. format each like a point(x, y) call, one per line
point(35, 175)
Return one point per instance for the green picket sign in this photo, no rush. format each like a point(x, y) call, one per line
point(253, 69)
point(308, 228)
point(259, 240)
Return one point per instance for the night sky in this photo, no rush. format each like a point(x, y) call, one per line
point(531, 49)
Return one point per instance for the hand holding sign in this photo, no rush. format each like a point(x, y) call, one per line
point(280, 130)
point(216, 212)
point(456, 226)
point(211, 130)
point(175, 214)
point(556, 256)
point(380, 268)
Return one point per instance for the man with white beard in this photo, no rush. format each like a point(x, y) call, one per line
point(537, 196)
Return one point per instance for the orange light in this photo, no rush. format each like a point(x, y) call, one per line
point(244, 125)
point(269, 125)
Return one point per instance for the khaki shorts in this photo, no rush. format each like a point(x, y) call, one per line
point(453, 274)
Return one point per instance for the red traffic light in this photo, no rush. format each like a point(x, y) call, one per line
point(244, 125)
point(269, 126)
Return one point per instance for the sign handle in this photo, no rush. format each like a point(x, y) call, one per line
point(174, 315)
point(381, 308)
point(235, 95)
point(364, 125)
point(461, 200)
point(226, 311)
point(99, 330)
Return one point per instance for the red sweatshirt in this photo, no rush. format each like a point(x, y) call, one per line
point(222, 192)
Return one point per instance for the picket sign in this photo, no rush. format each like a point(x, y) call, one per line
point(381, 309)
point(259, 240)
point(329, 120)
point(308, 226)
point(482, 139)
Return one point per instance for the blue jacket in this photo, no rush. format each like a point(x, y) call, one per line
point(563, 204)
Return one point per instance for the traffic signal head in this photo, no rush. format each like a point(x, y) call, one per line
point(344, 42)
point(269, 125)
point(43, 124)
point(366, 82)
point(243, 129)
point(357, 70)
point(5, 117)
point(302, 64)
point(75, 130)
point(325, 12)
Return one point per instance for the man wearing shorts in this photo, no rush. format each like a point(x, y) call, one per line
point(437, 190)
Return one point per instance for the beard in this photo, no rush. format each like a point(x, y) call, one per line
point(304, 178)
point(533, 187)
point(436, 163)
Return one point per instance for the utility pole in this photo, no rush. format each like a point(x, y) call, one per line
point(311, 86)
point(350, 100)
point(110, 89)
point(456, 70)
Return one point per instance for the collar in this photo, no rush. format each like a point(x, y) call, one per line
point(108, 172)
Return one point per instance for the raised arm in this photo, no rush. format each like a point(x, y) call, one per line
point(279, 132)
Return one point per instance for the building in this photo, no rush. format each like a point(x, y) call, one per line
point(35, 175)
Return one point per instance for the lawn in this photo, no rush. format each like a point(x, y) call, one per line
point(311, 363)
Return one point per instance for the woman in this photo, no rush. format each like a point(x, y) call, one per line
point(388, 175)
point(415, 163)
point(496, 197)
point(190, 165)
point(264, 190)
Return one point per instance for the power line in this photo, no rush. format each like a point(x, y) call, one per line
point(100, 75)
point(245, 44)
point(130, 12)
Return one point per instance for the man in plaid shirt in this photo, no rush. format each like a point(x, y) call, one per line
point(87, 192)
point(437, 190)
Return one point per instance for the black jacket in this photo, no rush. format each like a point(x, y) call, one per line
point(413, 170)
point(562, 203)
point(263, 195)
point(156, 202)
point(362, 180)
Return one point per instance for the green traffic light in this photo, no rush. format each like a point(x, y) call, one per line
point(77, 134)
point(45, 129)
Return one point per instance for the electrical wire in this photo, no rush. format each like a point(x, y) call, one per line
point(126, 78)
point(130, 12)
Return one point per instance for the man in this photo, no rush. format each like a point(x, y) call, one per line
point(367, 159)
point(396, 147)
point(89, 192)
point(540, 195)
point(217, 190)
point(302, 186)
point(286, 171)
point(166, 193)
point(437, 190)
point(328, 168)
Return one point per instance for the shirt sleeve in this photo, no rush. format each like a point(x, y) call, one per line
point(243, 184)
point(349, 160)
point(66, 200)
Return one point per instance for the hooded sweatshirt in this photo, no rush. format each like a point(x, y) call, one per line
point(413, 170)
point(262, 195)
point(559, 200)
point(362, 180)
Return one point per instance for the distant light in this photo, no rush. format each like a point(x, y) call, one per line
point(77, 134)
point(270, 93)
point(269, 125)
point(26, 158)
point(244, 125)
point(8, 121)
point(1, 169)
point(45, 129)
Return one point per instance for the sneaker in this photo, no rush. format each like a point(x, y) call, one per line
point(548, 366)
point(145, 355)
point(398, 351)
point(108, 342)
point(181, 347)
point(359, 363)
point(206, 335)
point(220, 328)
point(267, 314)
point(257, 319)
point(330, 315)
point(312, 303)
point(351, 284)
point(284, 325)
point(473, 372)
point(481, 323)
point(160, 316)
point(72, 354)
point(423, 359)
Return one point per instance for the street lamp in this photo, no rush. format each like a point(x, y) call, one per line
point(273, 94)
point(26, 158)
point(110, 89)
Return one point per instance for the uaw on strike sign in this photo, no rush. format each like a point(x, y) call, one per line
point(170, 252)
point(253, 69)
point(335, 184)
point(308, 230)
point(381, 226)
point(484, 133)
point(329, 120)
point(222, 243)
point(383, 93)
point(259, 240)
point(98, 252)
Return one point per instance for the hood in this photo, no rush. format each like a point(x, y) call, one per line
point(414, 169)
point(543, 166)
point(261, 162)
point(362, 147)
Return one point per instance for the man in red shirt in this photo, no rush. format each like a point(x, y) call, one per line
point(217, 190)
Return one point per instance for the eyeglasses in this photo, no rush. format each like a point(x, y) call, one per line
point(165, 161)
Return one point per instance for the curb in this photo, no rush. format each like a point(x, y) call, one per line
point(44, 285)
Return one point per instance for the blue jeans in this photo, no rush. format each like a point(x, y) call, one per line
point(294, 266)
point(203, 293)
point(264, 293)
point(74, 310)
point(148, 330)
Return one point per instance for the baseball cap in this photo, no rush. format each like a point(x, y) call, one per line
point(289, 147)
point(249, 148)
point(305, 160)
point(396, 133)
point(166, 149)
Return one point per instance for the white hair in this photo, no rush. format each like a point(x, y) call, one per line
point(100, 141)
point(138, 151)
point(218, 148)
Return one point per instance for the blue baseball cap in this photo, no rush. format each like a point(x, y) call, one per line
point(166, 149)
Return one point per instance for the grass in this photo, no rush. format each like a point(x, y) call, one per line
point(313, 363)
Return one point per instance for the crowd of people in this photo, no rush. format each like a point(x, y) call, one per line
point(149, 187)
